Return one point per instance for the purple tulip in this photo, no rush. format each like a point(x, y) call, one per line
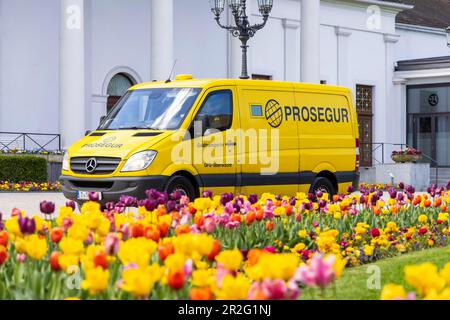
point(110, 206)
point(253, 198)
point(207, 194)
point(225, 198)
point(448, 186)
point(1, 222)
point(311, 197)
point(128, 201)
point(292, 201)
point(171, 205)
point(119, 208)
point(149, 204)
point(322, 204)
point(401, 185)
point(374, 199)
point(94, 196)
point(350, 189)
point(47, 207)
point(410, 189)
point(27, 225)
point(319, 194)
point(71, 204)
point(392, 193)
point(308, 206)
point(371, 189)
point(176, 195)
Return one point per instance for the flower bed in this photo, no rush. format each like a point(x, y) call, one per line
point(220, 247)
point(6, 186)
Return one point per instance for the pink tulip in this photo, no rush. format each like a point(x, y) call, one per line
point(318, 272)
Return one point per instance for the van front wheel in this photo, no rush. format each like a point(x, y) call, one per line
point(324, 185)
point(181, 184)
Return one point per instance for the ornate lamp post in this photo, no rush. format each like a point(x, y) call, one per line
point(243, 30)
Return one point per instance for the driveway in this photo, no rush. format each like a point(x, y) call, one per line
point(29, 202)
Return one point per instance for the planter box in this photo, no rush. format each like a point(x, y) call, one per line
point(415, 174)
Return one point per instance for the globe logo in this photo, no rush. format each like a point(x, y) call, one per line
point(274, 113)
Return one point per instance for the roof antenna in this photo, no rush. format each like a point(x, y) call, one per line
point(171, 73)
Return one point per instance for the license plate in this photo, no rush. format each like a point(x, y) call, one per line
point(84, 195)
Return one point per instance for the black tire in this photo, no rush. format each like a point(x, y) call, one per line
point(324, 185)
point(182, 184)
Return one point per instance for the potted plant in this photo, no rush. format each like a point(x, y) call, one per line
point(406, 155)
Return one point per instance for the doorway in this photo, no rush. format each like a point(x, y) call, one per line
point(364, 107)
point(431, 133)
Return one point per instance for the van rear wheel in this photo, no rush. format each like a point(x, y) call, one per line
point(181, 184)
point(324, 185)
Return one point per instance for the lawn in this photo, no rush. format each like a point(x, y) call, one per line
point(353, 285)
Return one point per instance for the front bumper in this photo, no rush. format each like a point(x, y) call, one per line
point(112, 188)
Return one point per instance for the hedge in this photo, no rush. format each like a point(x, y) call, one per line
point(23, 168)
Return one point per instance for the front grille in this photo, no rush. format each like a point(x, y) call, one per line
point(104, 165)
point(92, 185)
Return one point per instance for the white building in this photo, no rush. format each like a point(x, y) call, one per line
point(63, 61)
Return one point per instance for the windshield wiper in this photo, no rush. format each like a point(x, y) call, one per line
point(136, 128)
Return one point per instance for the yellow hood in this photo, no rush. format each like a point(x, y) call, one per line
point(117, 143)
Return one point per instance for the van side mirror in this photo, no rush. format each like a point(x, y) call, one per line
point(209, 132)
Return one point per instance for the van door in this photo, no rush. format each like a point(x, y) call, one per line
point(269, 142)
point(214, 152)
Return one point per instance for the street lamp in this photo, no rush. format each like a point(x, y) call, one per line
point(243, 30)
point(448, 36)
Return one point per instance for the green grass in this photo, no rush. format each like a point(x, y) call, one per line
point(353, 285)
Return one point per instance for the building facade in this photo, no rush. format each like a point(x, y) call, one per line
point(64, 63)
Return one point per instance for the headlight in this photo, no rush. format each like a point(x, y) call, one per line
point(65, 164)
point(139, 161)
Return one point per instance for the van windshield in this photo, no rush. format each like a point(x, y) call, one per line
point(154, 109)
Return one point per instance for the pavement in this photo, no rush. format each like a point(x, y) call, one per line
point(29, 202)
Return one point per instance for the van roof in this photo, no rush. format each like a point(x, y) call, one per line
point(206, 83)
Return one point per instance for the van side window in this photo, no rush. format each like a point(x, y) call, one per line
point(216, 111)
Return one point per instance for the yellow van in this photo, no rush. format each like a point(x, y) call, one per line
point(239, 136)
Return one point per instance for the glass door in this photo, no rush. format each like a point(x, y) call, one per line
point(442, 145)
point(424, 128)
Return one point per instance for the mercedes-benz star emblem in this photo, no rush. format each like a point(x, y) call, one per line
point(91, 165)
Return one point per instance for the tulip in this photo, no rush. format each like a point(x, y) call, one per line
point(350, 189)
point(375, 232)
point(27, 226)
point(176, 279)
point(207, 194)
point(47, 207)
point(4, 238)
point(128, 201)
point(201, 294)
point(71, 204)
point(112, 244)
point(318, 272)
point(3, 255)
point(21, 257)
point(101, 260)
point(94, 196)
point(253, 198)
point(56, 235)
point(110, 206)
point(54, 261)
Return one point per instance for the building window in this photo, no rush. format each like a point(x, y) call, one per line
point(364, 107)
point(261, 77)
point(117, 87)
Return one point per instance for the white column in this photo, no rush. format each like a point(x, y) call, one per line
point(310, 41)
point(72, 72)
point(162, 21)
point(343, 65)
point(290, 50)
point(391, 110)
point(401, 115)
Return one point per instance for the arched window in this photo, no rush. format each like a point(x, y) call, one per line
point(117, 87)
